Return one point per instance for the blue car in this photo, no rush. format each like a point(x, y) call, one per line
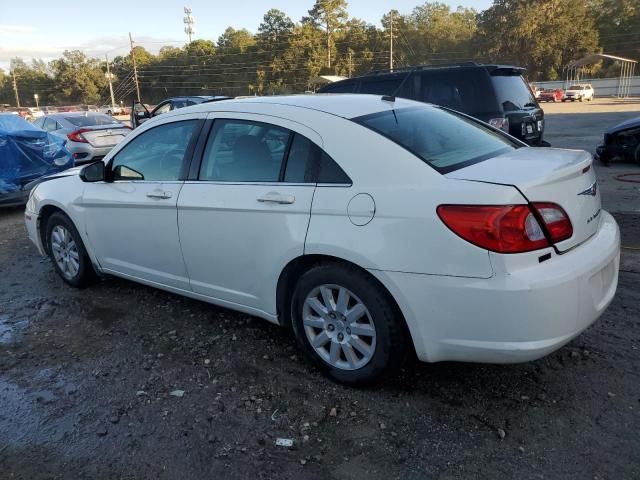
point(26, 153)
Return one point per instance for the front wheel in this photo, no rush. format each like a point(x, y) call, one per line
point(67, 252)
point(346, 324)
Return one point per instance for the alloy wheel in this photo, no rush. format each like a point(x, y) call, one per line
point(339, 327)
point(65, 252)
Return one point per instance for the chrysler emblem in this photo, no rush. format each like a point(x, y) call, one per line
point(591, 190)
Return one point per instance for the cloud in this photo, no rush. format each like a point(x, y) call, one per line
point(19, 29)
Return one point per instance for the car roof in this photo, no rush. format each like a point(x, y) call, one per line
point(343, 105)
point(73, 114)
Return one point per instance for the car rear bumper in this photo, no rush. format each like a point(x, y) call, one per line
point(84, 153)
point(510, 318)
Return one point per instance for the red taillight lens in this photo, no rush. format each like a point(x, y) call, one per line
point(77, 136)
point(499, 228)
point(507, 228)
point(556, 220)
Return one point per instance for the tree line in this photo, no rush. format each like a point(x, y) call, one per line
point(284, 56)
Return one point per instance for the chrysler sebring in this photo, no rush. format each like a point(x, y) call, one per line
point(372, 226)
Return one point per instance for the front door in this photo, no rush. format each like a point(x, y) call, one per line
point(246, 214)
point(132, 220)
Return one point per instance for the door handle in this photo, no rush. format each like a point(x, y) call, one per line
point(159, 194)
point(275, 197)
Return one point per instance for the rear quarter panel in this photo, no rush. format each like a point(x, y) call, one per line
point(405, 233)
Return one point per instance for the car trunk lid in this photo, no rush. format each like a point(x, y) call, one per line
point(564, 177)
point(104, 135)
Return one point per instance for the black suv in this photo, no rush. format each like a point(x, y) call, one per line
point(496, 94)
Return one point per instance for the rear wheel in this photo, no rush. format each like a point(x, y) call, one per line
point(346, 324)
point(67, 252)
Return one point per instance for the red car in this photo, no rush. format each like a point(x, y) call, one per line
point(551, 95)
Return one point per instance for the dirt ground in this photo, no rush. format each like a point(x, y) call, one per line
point(121, 381)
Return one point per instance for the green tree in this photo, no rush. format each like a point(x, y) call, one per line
point(276, 28)
point(329, 15)
point(618, 22)
point(538, 35)
point(78, 79)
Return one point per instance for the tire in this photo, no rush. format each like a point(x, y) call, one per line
point(564, 100)
point(382, 327)
point(67, 252)
point(580, 99)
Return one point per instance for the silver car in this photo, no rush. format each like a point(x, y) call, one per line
point(89, 136)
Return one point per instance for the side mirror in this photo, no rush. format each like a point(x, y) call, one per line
point(94, 172)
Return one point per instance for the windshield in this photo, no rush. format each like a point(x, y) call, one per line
point(513, 93)
point(444, 140)
point(90, 120)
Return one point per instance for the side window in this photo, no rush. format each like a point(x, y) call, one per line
point(50, 125)
point(179, 104)
point(155, 155)
point(162, 109)
point(244, 151)
point(308, 163)
point(381, 86)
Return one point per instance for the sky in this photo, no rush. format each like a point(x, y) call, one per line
point(44, 28)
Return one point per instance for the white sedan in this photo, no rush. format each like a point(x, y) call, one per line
point(371, 226)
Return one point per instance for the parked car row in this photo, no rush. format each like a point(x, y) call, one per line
point(579, 92)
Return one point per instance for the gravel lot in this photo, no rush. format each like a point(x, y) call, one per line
point(121, 381)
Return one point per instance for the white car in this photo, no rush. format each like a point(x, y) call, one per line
point(372, 226)
point(579, 92)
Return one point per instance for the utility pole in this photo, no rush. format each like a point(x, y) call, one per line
point(15, 88)
point(350, 63)
point(135, 67)
point(188, 22)
point(110, 78)
point(391, 47)
point(328, 46)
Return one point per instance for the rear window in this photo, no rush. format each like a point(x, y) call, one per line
point(466, 90)
point(446, 141)
point(90, 120)
point(513, 92)
point(381, 86)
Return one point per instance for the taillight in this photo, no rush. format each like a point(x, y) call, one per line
point(507, 228)
point(77, 136)
point(501, 123)
point(555, 220)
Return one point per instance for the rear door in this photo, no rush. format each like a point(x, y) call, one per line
point(244, 214)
